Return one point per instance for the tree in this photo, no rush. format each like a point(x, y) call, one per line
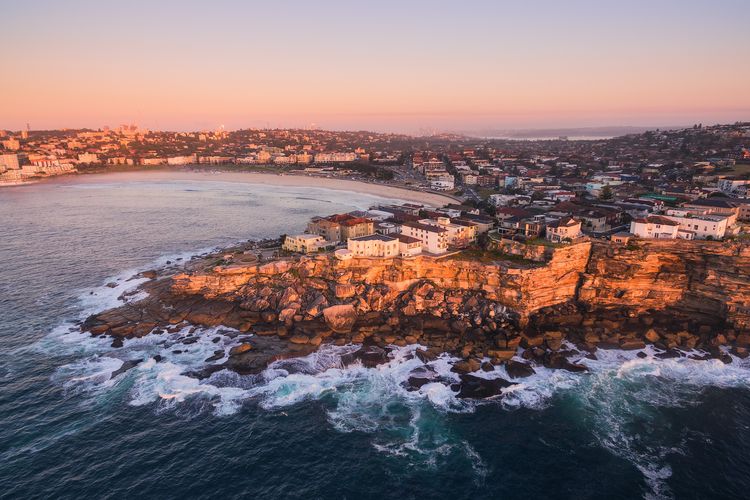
point(606, 193)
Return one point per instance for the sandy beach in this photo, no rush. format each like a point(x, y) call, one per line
point(430, 199)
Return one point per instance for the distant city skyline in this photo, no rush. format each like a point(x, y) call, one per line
point(384, 66)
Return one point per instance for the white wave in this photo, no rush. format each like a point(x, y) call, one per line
point(616, 396)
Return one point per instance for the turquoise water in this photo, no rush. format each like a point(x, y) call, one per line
point(631, 428)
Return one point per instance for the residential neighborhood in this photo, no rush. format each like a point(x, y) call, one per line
point(690, 183)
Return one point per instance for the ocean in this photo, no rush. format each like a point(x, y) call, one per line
point(630, 428)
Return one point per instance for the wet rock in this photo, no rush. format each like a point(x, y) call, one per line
point(466, 366)
point(475, 387)
point(216, 356)
point(631, 344)
point(420, 376)
point(669, 353)
point(98, 329)
point(150, 274)
point(265, 350)
point(501, 354)
point(117, 342)
point(238, 349)
point(553, 340)
point(558, 361)
point(127, 365)
point(517, 369)
point(651, 335)
point(425, 356)
point(740, 352)
point(370, 356)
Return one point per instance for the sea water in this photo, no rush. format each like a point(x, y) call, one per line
point(306, 428)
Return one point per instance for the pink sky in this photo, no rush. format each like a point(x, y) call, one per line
point(183, 65)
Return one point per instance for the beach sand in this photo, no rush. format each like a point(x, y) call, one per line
point(392, 192)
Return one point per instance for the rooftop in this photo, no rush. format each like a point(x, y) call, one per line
point(374, 237)
point(424, 227)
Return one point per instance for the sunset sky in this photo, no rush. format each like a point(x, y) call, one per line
point(379, 65)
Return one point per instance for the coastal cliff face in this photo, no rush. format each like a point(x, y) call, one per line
point(709, 281)
point(677, 295)
point(706, 280)
point(376, 284)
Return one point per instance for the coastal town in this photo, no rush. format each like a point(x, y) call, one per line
point(691, 183)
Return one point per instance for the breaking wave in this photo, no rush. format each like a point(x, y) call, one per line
point(619, 398)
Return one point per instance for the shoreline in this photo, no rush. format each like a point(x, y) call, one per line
point(264, 179)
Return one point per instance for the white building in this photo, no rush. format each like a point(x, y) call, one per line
point(565, 229)
point(374, 245)
point(655, 226)
point(305, 243)
point(9, 162)
point(408, 246)
point(434, 238)
point(182, 160)
point(87, 158)
point(705, 227)
point(734, 186)
point(458, 235)
point(335, 157)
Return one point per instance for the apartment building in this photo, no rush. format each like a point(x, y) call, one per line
point(304, 243)
point(373, 245)
point(434, 238)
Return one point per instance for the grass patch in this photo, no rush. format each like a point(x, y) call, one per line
point(492, 256)
point(543, 242)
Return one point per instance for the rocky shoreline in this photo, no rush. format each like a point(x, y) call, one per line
point(484, 314)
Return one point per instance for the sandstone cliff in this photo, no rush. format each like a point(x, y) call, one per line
point(677, 295)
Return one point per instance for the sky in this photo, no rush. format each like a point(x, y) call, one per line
point(384, 65)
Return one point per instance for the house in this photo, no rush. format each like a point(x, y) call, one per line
point(408, 246)
point(483, 224)
point(565, 229)
point(340, 227)
point(704, 226)
point(373, 245)
point(622, 237)
point(434, 238)
point(714, 206)
point(304, 243)
point(594, 221)
point(734, 186)
point(458, 235)
point(655, 226)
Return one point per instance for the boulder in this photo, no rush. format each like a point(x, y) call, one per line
point(238, 349)
point(370, 356)
point(340, 318)
point(127, 365)
point(475, 387)
point(651, 335)
point(501, 354)
point(517, 369)
point(631, 344)
point(557, 360)
point(420, 376)
point(553, 340)
point(466, 366)
point(299, 339)
point(425, 356)
point(217, 355)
